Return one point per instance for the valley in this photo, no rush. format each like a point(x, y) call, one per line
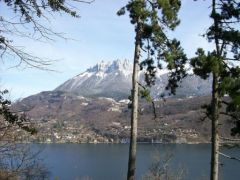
point(62, 117)
point(92, 107)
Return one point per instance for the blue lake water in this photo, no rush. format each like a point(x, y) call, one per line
point(109, 161)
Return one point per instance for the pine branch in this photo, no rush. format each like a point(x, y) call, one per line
point(152, 101)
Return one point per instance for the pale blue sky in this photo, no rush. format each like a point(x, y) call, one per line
point(99, 35)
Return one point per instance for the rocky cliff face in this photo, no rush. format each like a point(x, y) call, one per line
point(102, 80)
point(113, 79)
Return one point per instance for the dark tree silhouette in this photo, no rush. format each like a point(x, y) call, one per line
point(221, 65)
point(151, 19)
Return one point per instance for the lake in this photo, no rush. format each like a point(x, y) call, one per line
point(109, 161)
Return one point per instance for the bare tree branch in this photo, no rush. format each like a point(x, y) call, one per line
point(230, 139)
point(229, 157)
point(26, 23)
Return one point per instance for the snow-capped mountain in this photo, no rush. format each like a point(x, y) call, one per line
point(113, 79)
point(104, 79)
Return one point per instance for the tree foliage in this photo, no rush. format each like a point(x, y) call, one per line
point(13, 118)
point(156, 18)
point(224, 59)
point(152, 19)
point(25, 23)
point(220, 63)
point(29, 19)
point(24, 19)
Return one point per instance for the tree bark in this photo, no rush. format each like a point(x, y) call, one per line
point(215, 107)
point(134, 113)
point(215, 129)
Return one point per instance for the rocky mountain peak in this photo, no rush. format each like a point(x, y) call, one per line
point(113, 79)
point(102, 66)
point(115, 66)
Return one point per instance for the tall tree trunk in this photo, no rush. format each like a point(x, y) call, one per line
point(134, 115)
point(214, 106)
point(215, 129)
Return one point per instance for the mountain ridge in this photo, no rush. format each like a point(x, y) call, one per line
point(63, 117)
point(68, 114)
point(113, 79)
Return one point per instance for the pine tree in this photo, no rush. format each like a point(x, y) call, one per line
point(152, 19)
point(221, 65)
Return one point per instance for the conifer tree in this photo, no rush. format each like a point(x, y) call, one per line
point(152, 19)
point(221, 65)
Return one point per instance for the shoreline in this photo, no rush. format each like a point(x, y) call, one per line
point(225, 144)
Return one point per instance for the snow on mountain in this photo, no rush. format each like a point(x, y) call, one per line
point(107, 79)
point(113, 79)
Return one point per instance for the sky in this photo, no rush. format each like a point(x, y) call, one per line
point(99, 34)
